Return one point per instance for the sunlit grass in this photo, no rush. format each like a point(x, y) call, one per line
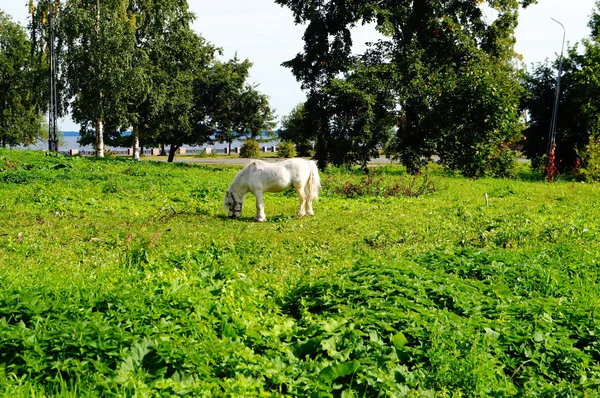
point(123, 278)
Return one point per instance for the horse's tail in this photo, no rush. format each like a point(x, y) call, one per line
point(314, 181)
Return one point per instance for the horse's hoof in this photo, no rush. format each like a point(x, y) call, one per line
point(261, 219)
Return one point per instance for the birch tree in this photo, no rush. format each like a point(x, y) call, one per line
point(94, 37)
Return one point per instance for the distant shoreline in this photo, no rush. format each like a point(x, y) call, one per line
point(70, 138)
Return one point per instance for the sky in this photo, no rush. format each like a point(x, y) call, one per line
point(265, 33)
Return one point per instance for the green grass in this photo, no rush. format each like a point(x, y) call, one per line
point(126, 279)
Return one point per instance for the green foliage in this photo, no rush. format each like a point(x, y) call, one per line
point(296, 128)
point(375, 184)
point(474, 116)
point(486, 119)
point(356, 131)
point(442, 74)
point(181, 116)
point(249, 149)
point(237, 109)
point(578, 106)
point(125, 279)
point(286, 149)
point(20, 100)
point(572, 127)
point(503, 163)
point(590, 158)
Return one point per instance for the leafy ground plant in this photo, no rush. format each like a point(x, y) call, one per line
point(126, 279)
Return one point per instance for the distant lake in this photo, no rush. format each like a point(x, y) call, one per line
point(70, 139)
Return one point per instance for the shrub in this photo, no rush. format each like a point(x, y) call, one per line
point(373, 184)
point(249, 149)
point(16, 177)
point(503, 163)
point(286, 150)
point(8, 164)
point(590, 158)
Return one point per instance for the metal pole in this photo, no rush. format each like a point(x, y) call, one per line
point(550, 166)
point(52, 114)
point(553, 123)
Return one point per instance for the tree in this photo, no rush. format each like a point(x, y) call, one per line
point(327, 49)
point(295, 128)
point(463, 94)
point(355, 131)
point(426, 43)
point(238, 110)
point(480, 119)
point(183, 117)
point(579, 103)
point(119, 58)
point(21, 105)
point(95, 41)
point(252, 116)
point(540, 86)
point(166, 56)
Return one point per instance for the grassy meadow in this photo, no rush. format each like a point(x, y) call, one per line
point(126, 279)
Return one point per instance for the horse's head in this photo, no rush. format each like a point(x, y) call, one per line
point(233, 205)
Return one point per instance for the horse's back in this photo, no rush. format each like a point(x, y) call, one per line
point(276, 177)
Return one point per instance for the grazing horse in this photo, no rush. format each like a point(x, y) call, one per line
point(259, 177)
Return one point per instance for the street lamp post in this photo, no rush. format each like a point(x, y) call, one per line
point(550, 166)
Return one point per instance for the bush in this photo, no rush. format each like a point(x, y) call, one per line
point(590, 157)
point(503, 163)
point(249, 149)
point(286, 150)
point(373, 184)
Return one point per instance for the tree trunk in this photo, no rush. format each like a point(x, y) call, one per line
point(136, 142)
point(99, 132)
point(172, 151)
point(229, 152)
point(99, 139)
point(163, 151)
point(322, 147)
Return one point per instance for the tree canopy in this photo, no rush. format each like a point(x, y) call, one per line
point(239, 110)
point(21, 99)
point(579, 103)
point(442, 80)
point(416, 78)
point(137, 65)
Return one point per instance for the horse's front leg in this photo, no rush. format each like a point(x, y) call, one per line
point(260, 207)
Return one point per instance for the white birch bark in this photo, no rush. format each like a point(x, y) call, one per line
point(136, 142)
point(99, 139)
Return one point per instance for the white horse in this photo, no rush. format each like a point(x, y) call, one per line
point(259, 177)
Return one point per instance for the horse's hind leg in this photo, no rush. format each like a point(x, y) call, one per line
point(302, 196)
point(309, 209)
point(260, 207)
point(308, 199)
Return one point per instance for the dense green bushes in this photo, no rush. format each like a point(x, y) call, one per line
point(249, 149)
point(286, 150)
